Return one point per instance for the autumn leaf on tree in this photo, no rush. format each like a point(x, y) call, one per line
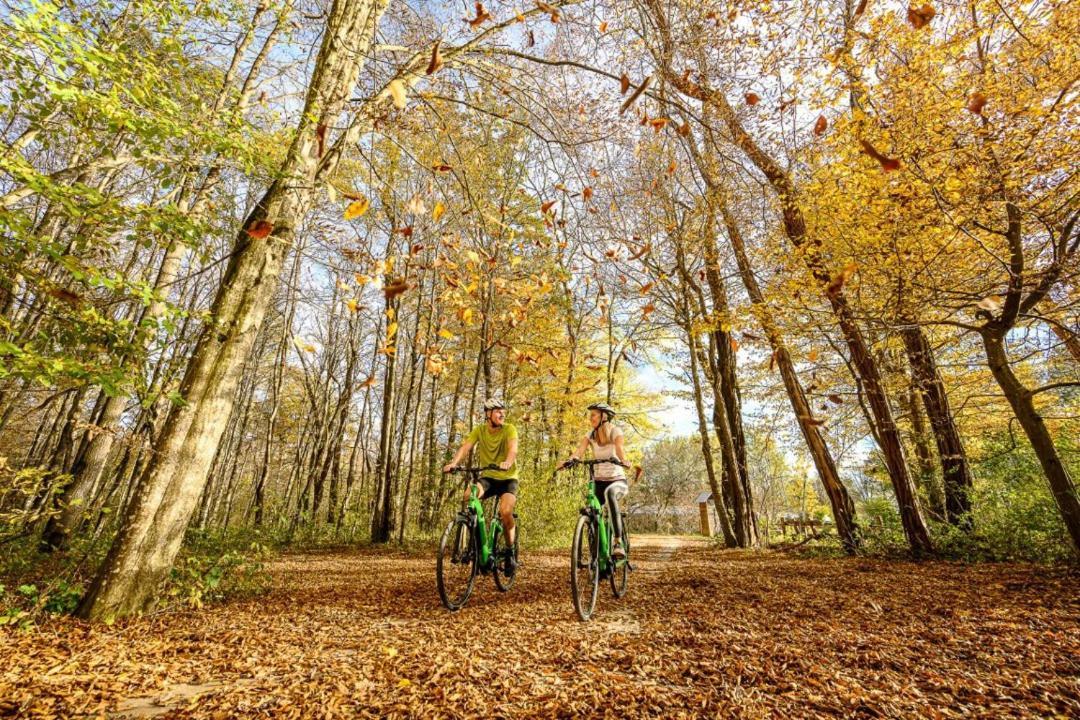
point(752, 98)
point(838, 280)
point(437, 211)
point(393, 289)
point(636, 94)
point(397, 93)
point(888, 164)
point(976, 102)
point(821, 125)
point(259, 229)
point(436, 58)
point(546, 207)
point(920, 17)
point(603, 26)
point(659, 124)
point(482, 16)
point(624, 84)
point(357, 208)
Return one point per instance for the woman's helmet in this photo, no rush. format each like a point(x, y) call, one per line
point(604, 408)
point(493, 404)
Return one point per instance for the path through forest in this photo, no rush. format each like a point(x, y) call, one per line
point(701, 632)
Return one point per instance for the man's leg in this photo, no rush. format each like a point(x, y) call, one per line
point(506, 515)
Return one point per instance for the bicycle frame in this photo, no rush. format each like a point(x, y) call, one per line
point(484, 529)
point(595, 510)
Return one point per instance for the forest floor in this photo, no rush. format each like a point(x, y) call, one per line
point(702, 632)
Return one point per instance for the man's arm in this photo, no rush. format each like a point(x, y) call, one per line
point(511, 454)
point(460, 455)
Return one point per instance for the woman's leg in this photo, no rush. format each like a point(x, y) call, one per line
point(615, 492)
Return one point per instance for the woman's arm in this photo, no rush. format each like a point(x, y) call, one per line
point(619, 452)
point(579, 451)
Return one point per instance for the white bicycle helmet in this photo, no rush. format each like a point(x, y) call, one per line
point(493, 404)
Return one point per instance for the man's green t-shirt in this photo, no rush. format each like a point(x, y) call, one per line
point(492, 447)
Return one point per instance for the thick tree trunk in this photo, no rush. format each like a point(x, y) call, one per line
point(170, 486)
point(955, 469)
point(924, 456)
point(1020, 398)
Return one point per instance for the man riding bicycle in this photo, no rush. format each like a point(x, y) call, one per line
point(497, 444)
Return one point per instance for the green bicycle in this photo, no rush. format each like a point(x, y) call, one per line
point(472, 544)
point(590, 559)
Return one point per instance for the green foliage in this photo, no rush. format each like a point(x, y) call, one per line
point(218, 566)
point(28, 604)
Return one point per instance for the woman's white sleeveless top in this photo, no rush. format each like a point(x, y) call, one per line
point(607, 471)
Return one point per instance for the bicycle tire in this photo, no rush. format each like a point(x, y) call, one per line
point(457, 547)
point(503, 581)
point(584, 569)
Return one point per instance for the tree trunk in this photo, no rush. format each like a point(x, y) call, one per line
point(955, 470)
point(170, 486)
point(1020, 398)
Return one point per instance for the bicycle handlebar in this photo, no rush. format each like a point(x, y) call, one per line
point(575, 463)
point(468, 470)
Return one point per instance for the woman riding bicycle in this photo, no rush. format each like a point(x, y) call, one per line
point(606, 441)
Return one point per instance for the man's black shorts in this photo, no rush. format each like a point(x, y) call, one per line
point(494, 488)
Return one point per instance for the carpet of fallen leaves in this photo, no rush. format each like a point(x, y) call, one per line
point(702, 632)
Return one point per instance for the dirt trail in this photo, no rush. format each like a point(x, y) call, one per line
point(702, 632)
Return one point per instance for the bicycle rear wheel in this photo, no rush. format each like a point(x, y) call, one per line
point(455, 566)
point(620, 573)
point(584, 568)
point(501, 558)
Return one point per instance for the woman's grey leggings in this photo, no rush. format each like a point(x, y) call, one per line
point(614, 492)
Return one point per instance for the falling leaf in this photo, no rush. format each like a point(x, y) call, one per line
point(391, 331)
point(259, 229)
point(482, 16)
point(920, 17)
point(624, 84)
point(368, 382)
point(648, 309)
point(546, 207)
point(397, 93)
point(888, 164)
point(658, 124)
point(586, 193)
point(436, 58)
point(357, 208)
point(644, 249)
point(446, 334)
point(838, 280)
point(834, 398)
point(437, 211)
point(646, 288)
point(442, 167)
point(734, 344)
point(416, 205)
point(684, 129)
point(603, 26)
point(976, 103)
point(821, 125)
point(636, 94)
point(353, 306)
point(812, 356)
point(751, 98)
point(65, 295)
point(392, 290)
point(531, 39)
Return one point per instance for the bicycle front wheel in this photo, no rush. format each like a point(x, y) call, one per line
point(501, 554)
point(455, 566)
point(584, 568)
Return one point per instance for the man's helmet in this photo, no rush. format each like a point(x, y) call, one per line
point(604, 408)
point(493, 404)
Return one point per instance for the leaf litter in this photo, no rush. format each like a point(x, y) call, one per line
point(701, 632)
